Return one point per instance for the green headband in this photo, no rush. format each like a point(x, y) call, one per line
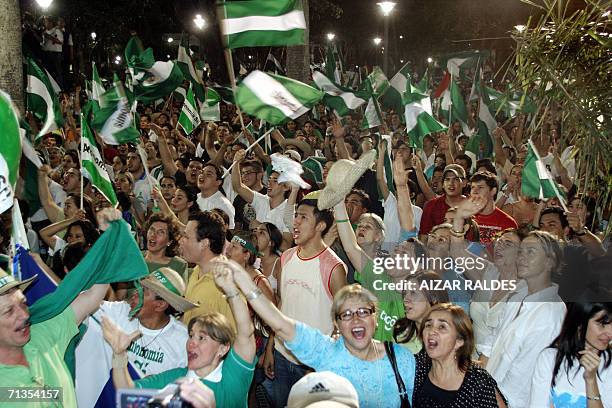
point(246, 245)
point(161, 278)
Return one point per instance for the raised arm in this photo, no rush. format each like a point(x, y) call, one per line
point(48, 234)
point(356, 255)
point(259, 152)
point(458, 244)
point(283, 326)
point(244, 345)
point(380, 169)
point(170, 168)
point(423, 184)
point(500, 155)
point(165, 208)
point(404, 204)
point(53, 211)
point(242, 190)
point(338, 131)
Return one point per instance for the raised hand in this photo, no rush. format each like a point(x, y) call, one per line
point(589, 360)
point(117, 338)
point(400, 175)
point(471, 206)
point(106, 216)
point(337, 129)
point(240, 155)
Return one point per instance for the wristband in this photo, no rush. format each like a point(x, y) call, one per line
point(231, 295)
point(120, 361)
point(340, 221)
point(254, 294)
point(594, 398)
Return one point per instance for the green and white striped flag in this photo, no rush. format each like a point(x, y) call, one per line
point(93, 165)
point(536, 180)
point(340, 99)
point(10, 151)
point(41, 99)
point(453, 106)
point(486, 119)
point(419, 119)
point(189, 118)
point(210, 109)
point(114, 122)
point(97, 89)
point(375, 86)
point(378, 82)
point(274, 98)
point(160, 80)
point(398, 85)
point(188, 69)
point(333, 64)
point(263, 23)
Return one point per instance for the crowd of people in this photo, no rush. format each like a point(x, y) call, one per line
point(435, 282)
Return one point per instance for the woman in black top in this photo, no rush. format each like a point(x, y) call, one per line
point(445, 374)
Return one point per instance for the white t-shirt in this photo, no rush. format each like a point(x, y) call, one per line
point(261, 204)
point(157, 350)
point(217, 200)
point(391, 220)
point(569, 391)
point(49, 45)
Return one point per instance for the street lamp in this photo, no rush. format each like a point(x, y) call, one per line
point(429, 60)
point(520, 28)
point(93, 35)
point(386, 7)
point(44, 4)
point(170, 40)
point(331, 36)
point(199, 21)
point(377, 40)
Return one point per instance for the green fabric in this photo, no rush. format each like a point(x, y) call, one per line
point(230, 392)
point(177, 264)
point(390, 302)
point(115, 257)
point(45, 355)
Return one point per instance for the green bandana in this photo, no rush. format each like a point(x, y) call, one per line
point(164, 281)
point(246, 245)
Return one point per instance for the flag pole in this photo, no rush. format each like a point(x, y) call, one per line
point(450, 107)
point(247, 149)
point(81, 159)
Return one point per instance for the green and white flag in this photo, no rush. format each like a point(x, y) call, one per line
point(160, 80)
point(189, 118)
point(189, 70)
point(536, 180)
point(41, 99)
point(97, 89)
point(399, 84)
point(277, 66)
point(263, 23)
point(114, 122)
point(486, 119)
point(10, 151)
point(419, 119)
point(210, 109)
point(375, 86)
point(378, 82)
point(453, 107)
point(274, 98)
point(93, 165)
point(340, 99)
point(333, 64)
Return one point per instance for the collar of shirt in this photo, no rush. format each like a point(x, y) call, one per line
point(215, 375)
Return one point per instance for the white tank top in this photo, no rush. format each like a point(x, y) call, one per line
point(306, 291)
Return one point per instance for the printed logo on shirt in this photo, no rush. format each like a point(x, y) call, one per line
point(148, 355)
point(388, 320)
point(319, 387)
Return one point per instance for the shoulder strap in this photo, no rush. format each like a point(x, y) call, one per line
point(398, 378)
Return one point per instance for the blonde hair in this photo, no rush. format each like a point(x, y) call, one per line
point(216, 326)
point(380, 224)
point(354, 291)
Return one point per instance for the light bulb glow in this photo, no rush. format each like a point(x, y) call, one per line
point(199, 22)
point(386, 7)
point(331, 36)
point(377, 40)
point(44, 3)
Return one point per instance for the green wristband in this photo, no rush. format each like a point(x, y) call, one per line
point(339, 221)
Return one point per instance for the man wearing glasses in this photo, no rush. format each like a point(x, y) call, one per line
point(251, 174)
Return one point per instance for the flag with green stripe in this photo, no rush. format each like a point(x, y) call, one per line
point(41, 99)
point(274, 98)
point(97, 89)
point(188, 69)
point(160, 80)
point(93, 164)
point(418, 115)
point(263, 23)
point(189, 118)
point(340, 99)
point(211, 109)
point(536, 180)
point(10, 151)
point(374, 85)
point(114, 122)
point(453, 107)
point(333, 64)
point(399, 84)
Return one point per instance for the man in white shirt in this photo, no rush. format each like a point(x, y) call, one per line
point(142, 187)
point(268, 208)
point(162, 344)
point(209, 182)
point(53, 40)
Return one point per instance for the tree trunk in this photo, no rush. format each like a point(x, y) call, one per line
point(11, 65)
point(298, 56)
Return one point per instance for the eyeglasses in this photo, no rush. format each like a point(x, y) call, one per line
point(362, 312)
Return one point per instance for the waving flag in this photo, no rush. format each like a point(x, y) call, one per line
point(188, 69)
point(419, 119)
point(114, 122)
point(342, 100)
point(263, 23)
point(274, 98)
point(189, 118)
point(41, 99)
point(536, 180)
point(10, 151)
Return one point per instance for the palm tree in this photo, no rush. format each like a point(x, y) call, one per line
point(11, 68)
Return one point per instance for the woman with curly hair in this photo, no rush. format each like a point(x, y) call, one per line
point(162, 244)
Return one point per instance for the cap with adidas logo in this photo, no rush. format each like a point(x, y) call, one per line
point(323, 389)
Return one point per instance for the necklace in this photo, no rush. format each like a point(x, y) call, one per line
point(145, 347)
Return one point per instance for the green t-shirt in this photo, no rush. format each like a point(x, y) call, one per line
point(390, 302)
point(231, 391)
point(45, 355)
point(176, 263)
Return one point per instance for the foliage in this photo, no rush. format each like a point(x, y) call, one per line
point(563, 62)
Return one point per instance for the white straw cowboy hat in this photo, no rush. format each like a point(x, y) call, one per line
point(341, 178)
point(8, 282)
point(168, 284)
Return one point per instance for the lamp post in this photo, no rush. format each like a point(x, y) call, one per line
point(331, 36)
point(199, 22)
point(44, 4)
point(386, 8)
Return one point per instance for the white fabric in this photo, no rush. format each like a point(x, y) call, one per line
point(272, 93)
point(571, 389)
point(228, 188)
point(391, 220)
point(289, 21)
point(530, 323)
point(264, 213)
point(217, 200)
point(486, 318)
point(142, 191)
